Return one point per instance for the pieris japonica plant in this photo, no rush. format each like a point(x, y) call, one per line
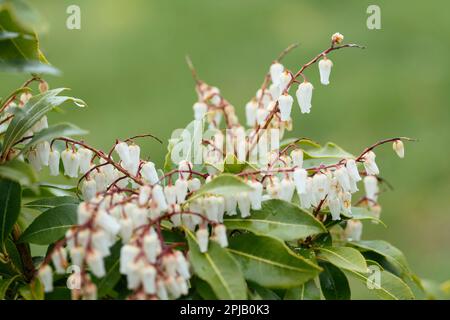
point(234, 217)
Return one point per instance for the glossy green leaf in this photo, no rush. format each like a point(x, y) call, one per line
point(270, 263)
point(5, 284)
point(279, 219)
point(344, 257)
point(57, 130)
point(18, 171)
point(51, 225)
point(328, 154)
point(223, 185)
point(203, 289)
point(384, 248)
point(257, 292)
point(13, 264)
point(218, 268)
point(33, 290)
point(48, 203)
point(307, 291)
point(390, 287)
point(10, 198)
point(334, 283)
point(32, 112)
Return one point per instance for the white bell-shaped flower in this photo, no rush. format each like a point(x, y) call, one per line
point(34, 159)
point(300, 176)
point(107, 222)
point(152, 247)
point(297, 158)
point(123, 151)
point(145, 193)
point(274, 91)
point(287, 188)
point(200, 109)
point(85, 156)
point(346, 201)
point(306, 198)
point(46, 276)
point(43, 150)
point(71, 163)
point(335, 208)
point(133, 165)
point(149, 279)
point(304, 96)
point(230, 205)
point(370, 165)
point(149, 173)
point(285, 79)
point(159, 198)
point(89, 189)
point(256, 194)
point(352, 170)
point(243, 201)
point(325, 66)
point(399, 148)
point(285, 104)
point(371, 186)
point(353, 230)
point(276, 69)
point(251, 109)
point(343, 178)
point(320, 186)
point(128, 254)
point(261, 116)
point(202, 239)
point(53, 162)
point(59, 259)
point(171, 194)
point(194, 184)
point(181, 186)
point(220, 233)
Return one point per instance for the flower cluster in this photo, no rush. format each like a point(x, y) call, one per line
point(129, 199)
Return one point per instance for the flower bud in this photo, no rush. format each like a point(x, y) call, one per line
point(304, 96)
point(399, 148)
point(337, 38)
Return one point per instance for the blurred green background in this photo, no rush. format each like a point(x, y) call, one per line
point(127, 62)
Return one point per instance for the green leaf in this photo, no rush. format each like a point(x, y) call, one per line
point(58, 130)
point(257, 292)
point(218, 268)
point(344, 257)
point(32, 112)
point(390, 286)
point(18, 171)
point(28, 66)
point(48, 203)
point(5, 284)
point(334, 283)
point(112, 276)
point(361, 213)
point(13, 263)
point(51, 225)
point(10, 197)
point(33, 290)
point(223, 185)
point(279, 219)
point(307, 291)
point(328, 154)
point(270, 263)
point(203, 289)
point(384, 248)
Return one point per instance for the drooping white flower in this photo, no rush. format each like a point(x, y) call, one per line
point(123, 151)
point(133, 165)
point(194, 184)
point(89, 189)
point(43, 151)
point(59, 259)
point(220, 234)
point(320, 186)
point(346, 201)
point(325, 69)
point(134, 275)
point(371, 186)
point(46, 276)
point(370, 164)
point(243, 201)
point(181, 187)
point(399, 148)
point(343, 178)
point(274, 188)
point(335, 208)
point(353, 170)
point(149, 279)
point(285, 104)
point(85, 156)
point(300, 176)
point(287, 187)
point(126, 229)
point(158, 197)
point(152, 247)
point(71, 162)
point(128, 253)
point(145, 193)
point(149, 173)
point(297, 158)
point(107, 222)
point(200, 109)
point(34, 159)
point(250, 112)
point(256, 194)
point(304, 96)
point(306, 198)
point(101, 242)
point(202, 239)
point(353, 230)
point(230, 205)
point(182, 285)
point(276, 69)
point(171, 194)
point(274, 91)
point(261, 116)
point(77, 255)
point(182, 265)
point(285, 79)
